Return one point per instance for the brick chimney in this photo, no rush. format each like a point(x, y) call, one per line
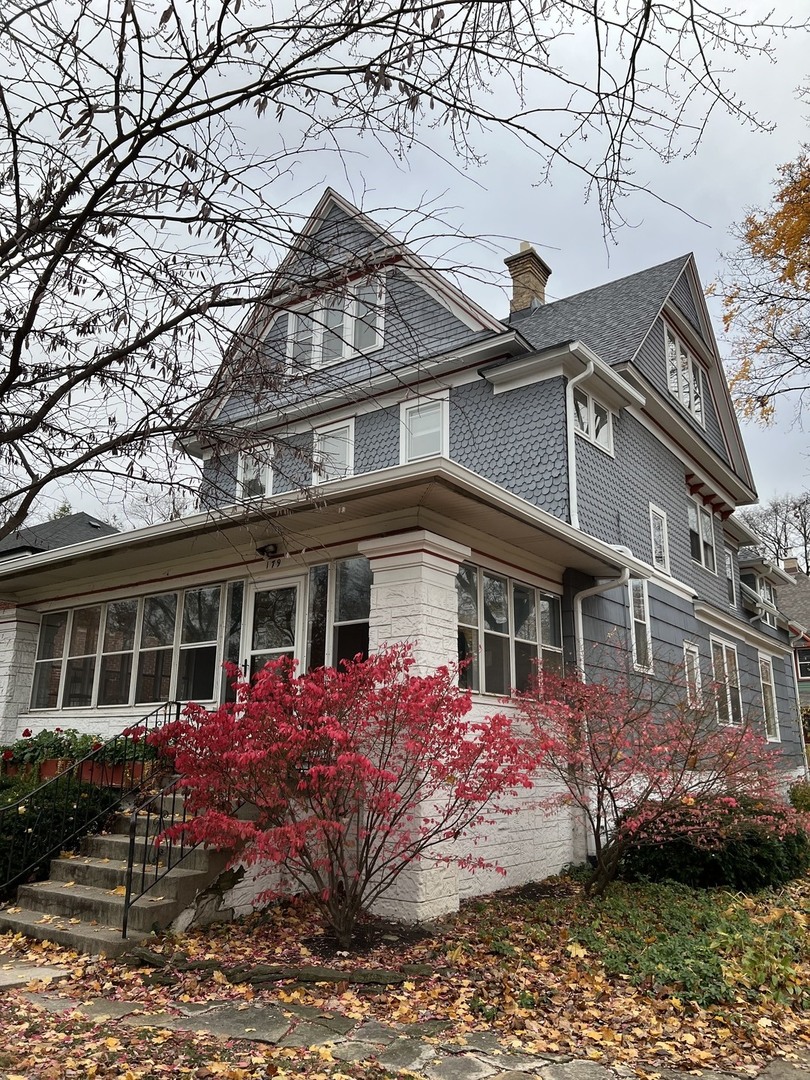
point(791, 565)
point(529, 276)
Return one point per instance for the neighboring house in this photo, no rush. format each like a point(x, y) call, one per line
point(795, 602)
point(549, 486)
point(59, 532)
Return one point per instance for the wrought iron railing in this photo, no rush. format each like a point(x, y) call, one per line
point(149, 821)
point(78, 799)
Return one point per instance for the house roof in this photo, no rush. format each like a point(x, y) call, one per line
point(60, 532)
point(795, 602)
point(611, 319)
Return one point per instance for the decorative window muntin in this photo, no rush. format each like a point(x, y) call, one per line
point(659, 539)
point(336, 328)
point(333, 452)
point(685, 377)
point(593, 421)
point(701, 535)
point(504, 628)
point(691, 671)
point(726, 675)
point(769, 711)
point(641, 635)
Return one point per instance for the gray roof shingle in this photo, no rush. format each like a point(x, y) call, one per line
point(72, 529)
point(611, 319)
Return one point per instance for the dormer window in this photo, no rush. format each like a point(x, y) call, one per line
point(254, 478)
point(684, 375)
point(336, 328)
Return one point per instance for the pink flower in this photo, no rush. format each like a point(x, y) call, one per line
point(27, 733)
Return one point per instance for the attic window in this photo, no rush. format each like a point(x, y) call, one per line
point(336, 328)
point(684, 376)
point(593, 421)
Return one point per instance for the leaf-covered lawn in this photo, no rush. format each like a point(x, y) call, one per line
point(650, 976)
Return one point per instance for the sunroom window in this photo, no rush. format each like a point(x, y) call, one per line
point(504, 628)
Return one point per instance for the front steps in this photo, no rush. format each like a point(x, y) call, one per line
point(81, 905)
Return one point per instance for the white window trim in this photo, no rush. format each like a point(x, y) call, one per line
point(590, 434)
point(315, 309)
point(799, 676)
point(632, 585)
point(704, 515)
point(268, 453)
point(443, 399)
point(694, 366)
point(721, 680)
point(762, 657)
point(656, 511)
point(318, 477)
point(693, 692)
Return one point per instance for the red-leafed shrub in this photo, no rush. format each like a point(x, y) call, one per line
point(354, 774)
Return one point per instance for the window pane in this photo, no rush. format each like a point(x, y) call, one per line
point(496, 664)
point(353, 589)
point(115, 678)
point(672, 363)
point(581, 412)
point(803, 658)
point(302, 339)
point(550, 631)
point(601, 425)
point(154, 676)
point(424, 434)
point(201, 614)
point(695, 545)
point(659, 542)
point(195, 681)
point(274, 619)
point(729, 559)
point(254, 478)
point(768, 698)
point(52, 636)
point(78, 689)
point(318, 592)
point(697, 392)
point(642, 644)
point(332, 454)
point(467, 594)
point(468, 655)
point(159, 614)
point(552, 661)
point(46, 684)
point(639, 601)
point(84, 632)
point(233, 634)
point(686, 379)
point(496, 611)
point(119, 625)
point(525, 616)
point(333, 332)
point(366, 318)
point(350, 640)
point(525, 663)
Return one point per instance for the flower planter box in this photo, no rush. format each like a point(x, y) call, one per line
point(103, 774)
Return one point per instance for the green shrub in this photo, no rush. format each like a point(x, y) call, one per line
point(34, 822)
point(754, 847)
point(800, 796)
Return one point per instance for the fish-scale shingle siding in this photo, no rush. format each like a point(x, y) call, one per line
point(376, 440)
point(515, 439)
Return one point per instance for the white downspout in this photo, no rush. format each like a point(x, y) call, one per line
point(571, 441)
point(583, 594)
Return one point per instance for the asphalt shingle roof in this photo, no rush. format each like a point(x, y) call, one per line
point(60, 532)
point(611, 319)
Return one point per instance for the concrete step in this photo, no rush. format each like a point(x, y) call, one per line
point(180, 883)
point(85, 937)
point(115, 846)
point(103, 906)
point(146, 824)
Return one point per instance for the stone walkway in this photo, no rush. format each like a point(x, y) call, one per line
point(417, 1048)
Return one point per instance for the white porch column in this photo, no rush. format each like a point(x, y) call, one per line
point(413, 594)
point(413, 599)
point(19, 633)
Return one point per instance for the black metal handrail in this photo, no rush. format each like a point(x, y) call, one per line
point(160, 853)
point(62, 810)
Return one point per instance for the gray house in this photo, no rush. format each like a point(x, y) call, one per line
point(558, 485)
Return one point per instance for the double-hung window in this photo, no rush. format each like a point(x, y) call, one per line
point(254, 479)
point(726, 674)
point(768, 698)
point(333, 452)
point(701, 535)
point(593, 421)
point(685, 377)
point(339, 608)
point(336, 328)
point(504, 628)
point(641, 635)
point(691, 671)
point(803, 663)
point(424, 429)
point(660, 541)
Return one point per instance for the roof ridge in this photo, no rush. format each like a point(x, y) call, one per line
point(680, 259)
